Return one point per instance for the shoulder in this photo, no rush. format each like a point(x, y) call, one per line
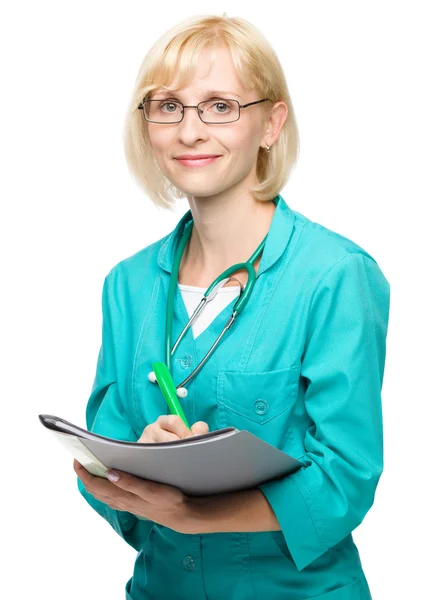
point(320, 250)
point(340, 280)
point(140, 266)
point(327, 243)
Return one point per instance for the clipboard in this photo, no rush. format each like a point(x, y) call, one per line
point(224, 460)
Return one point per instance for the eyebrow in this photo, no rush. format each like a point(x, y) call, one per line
point(206, 93)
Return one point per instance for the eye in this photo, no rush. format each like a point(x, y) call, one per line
point(221, 104)
point(168, 103)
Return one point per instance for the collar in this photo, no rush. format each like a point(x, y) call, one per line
point(277, 239)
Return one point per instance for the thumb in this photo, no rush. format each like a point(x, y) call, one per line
point(199, 427)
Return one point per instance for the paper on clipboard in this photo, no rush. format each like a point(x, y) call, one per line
point(215, 462)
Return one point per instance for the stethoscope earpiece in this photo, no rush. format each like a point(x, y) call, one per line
point(181, 391)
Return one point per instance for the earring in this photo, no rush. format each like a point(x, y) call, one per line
point(267, 148)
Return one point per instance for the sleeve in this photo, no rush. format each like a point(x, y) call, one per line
point(343, 363)
point(105, 415)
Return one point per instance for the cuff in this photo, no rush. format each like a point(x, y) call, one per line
point(295, 520)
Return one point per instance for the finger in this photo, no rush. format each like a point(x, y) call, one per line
point(174, 424)
point(105, 491)
point(78, 468)
point(154, 433)
point(199, 427)
point(161, 435)
point(144, 488)
point(92, 483)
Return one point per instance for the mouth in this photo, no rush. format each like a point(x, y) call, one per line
point(199, 162)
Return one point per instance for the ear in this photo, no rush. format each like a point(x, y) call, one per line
point(276, 120)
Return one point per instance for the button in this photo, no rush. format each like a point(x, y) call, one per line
point(185, 362)
point(189, 563)
point(261, 407)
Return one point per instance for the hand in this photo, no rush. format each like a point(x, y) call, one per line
point(158, 502)
point(168, 428)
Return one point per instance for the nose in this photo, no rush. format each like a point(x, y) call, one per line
point(191, 128)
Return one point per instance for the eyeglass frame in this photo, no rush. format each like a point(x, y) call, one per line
point(141, 106)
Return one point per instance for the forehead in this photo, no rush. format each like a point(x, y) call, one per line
point(213, 74)
point(199, 92)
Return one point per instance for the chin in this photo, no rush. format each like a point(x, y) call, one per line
point(199, 193)
point(200, 188)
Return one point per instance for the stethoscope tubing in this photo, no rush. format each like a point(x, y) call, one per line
point(237, 309)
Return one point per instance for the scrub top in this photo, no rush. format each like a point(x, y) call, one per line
point(302, 368)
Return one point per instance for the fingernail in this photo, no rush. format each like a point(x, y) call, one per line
point(112, 476)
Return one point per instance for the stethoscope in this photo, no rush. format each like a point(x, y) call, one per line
point(210, 293)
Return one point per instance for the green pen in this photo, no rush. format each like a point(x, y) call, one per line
point(168, 389)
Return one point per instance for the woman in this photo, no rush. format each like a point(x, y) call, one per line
point(302, 368)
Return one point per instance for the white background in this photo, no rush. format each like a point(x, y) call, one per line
point(70, 211)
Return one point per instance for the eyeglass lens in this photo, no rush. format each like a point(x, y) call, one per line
point(211, 111)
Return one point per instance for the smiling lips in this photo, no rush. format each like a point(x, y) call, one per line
point(196, 160)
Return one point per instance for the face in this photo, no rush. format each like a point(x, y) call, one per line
point(237, 143)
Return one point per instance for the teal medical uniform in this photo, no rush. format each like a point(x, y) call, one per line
point(302, 368)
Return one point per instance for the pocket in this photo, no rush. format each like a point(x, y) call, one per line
point(268, 543)
point(258, 402)
point(350, 591)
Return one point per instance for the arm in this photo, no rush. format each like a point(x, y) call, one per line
point(105, 415)
point(246, 510)
point(343, 361)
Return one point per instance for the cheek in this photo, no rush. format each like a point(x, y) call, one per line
point(160, 140)
point(160, 150)
point(243, 142)
point(243, 152)
point(237, 137)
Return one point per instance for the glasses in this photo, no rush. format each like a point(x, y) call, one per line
point(215, 111)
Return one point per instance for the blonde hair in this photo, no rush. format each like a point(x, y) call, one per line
point(258, 67)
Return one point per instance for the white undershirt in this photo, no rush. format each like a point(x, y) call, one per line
point(192, 296)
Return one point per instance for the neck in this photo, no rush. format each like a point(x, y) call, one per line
point(224, 233)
